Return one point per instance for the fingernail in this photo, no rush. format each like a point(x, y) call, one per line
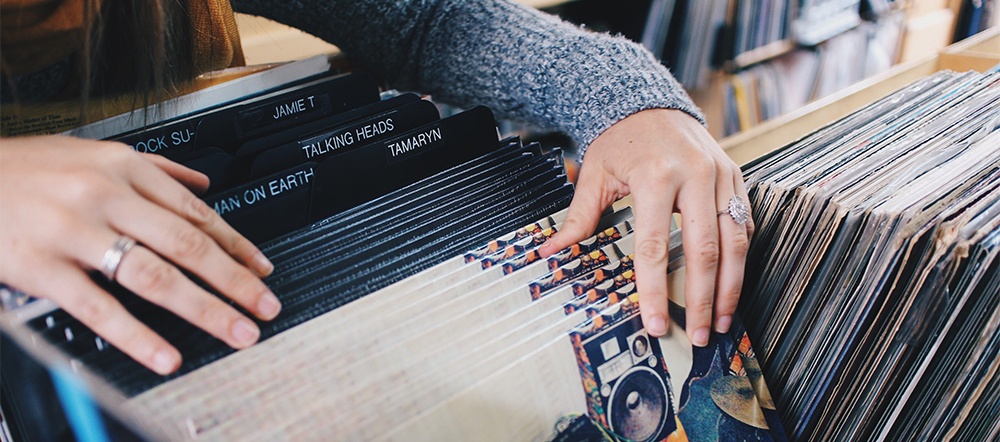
point(245, 332)
point(722, 324)
point(262, 265)
point(164, 361)
point(657, 326)
point(268, 306)
point(700, 338)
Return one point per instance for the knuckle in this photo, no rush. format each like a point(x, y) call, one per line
point(153, 278)
point(653, 249)
point(63, 223)
point(707, 252)
point(198, 212)
point(240, 247)
point(741, 244)
point(88, 188)
point(190, 243)
point(658, 172)
point(244, 285)
point(118, 153)
point(701, 166)
point(210, 317)
point(728, 300)
point(701, 305)
point(573, 228)
point(93, 309)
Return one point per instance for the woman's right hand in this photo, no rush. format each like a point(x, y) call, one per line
point(65, 201)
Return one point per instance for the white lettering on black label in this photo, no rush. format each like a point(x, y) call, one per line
point(326, 144)
point(159, 143)
point(294, 107)
point(378, 128)
point(227, 205)
point(400, 148)
point(272, 188)
point(291, 181)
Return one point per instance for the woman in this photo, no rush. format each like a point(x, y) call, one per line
point(70, 205)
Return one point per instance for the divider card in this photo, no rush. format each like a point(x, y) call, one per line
point(249, 163)
point(372, 171)
point(344, 137)
point(177, 136)
point(256, 145)
point(268, 207)
point(228, 128)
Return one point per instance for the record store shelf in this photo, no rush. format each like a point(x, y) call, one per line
point(980, 53)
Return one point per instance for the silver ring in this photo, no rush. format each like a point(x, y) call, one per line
point(738, 210)
point(113, 257)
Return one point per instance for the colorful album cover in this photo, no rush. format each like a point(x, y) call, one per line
point(524, 246)
point(502, 242)
point(557, 260)
point(569, 271)
point(602, 282)
point(626, 378)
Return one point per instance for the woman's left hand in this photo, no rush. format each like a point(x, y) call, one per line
point(669, 163)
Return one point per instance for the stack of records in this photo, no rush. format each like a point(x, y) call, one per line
point(873, 285)
point(415, 303)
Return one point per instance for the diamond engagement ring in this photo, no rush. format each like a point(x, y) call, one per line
point(113, 257)
point(738, 210)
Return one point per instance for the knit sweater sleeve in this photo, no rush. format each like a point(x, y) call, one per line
point(524, 64)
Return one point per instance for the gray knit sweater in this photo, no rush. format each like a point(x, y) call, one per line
point(524, 64)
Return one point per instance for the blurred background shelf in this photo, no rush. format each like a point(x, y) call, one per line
point(757, 86)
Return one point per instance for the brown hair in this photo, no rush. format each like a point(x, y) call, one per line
point(143, 47)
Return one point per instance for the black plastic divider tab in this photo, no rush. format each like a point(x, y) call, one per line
point(511, 149)
point(176, 136)
point(305, 130)
point(268, 207)
point(358, 133)
point(343, 138)
point(228, 128)
point(372, 171)
point(215, 163)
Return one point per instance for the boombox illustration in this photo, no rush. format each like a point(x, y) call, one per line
point(624, 375)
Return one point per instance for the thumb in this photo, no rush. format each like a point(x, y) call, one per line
point(582, 216)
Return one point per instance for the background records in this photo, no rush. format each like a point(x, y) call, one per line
point(873, 280)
